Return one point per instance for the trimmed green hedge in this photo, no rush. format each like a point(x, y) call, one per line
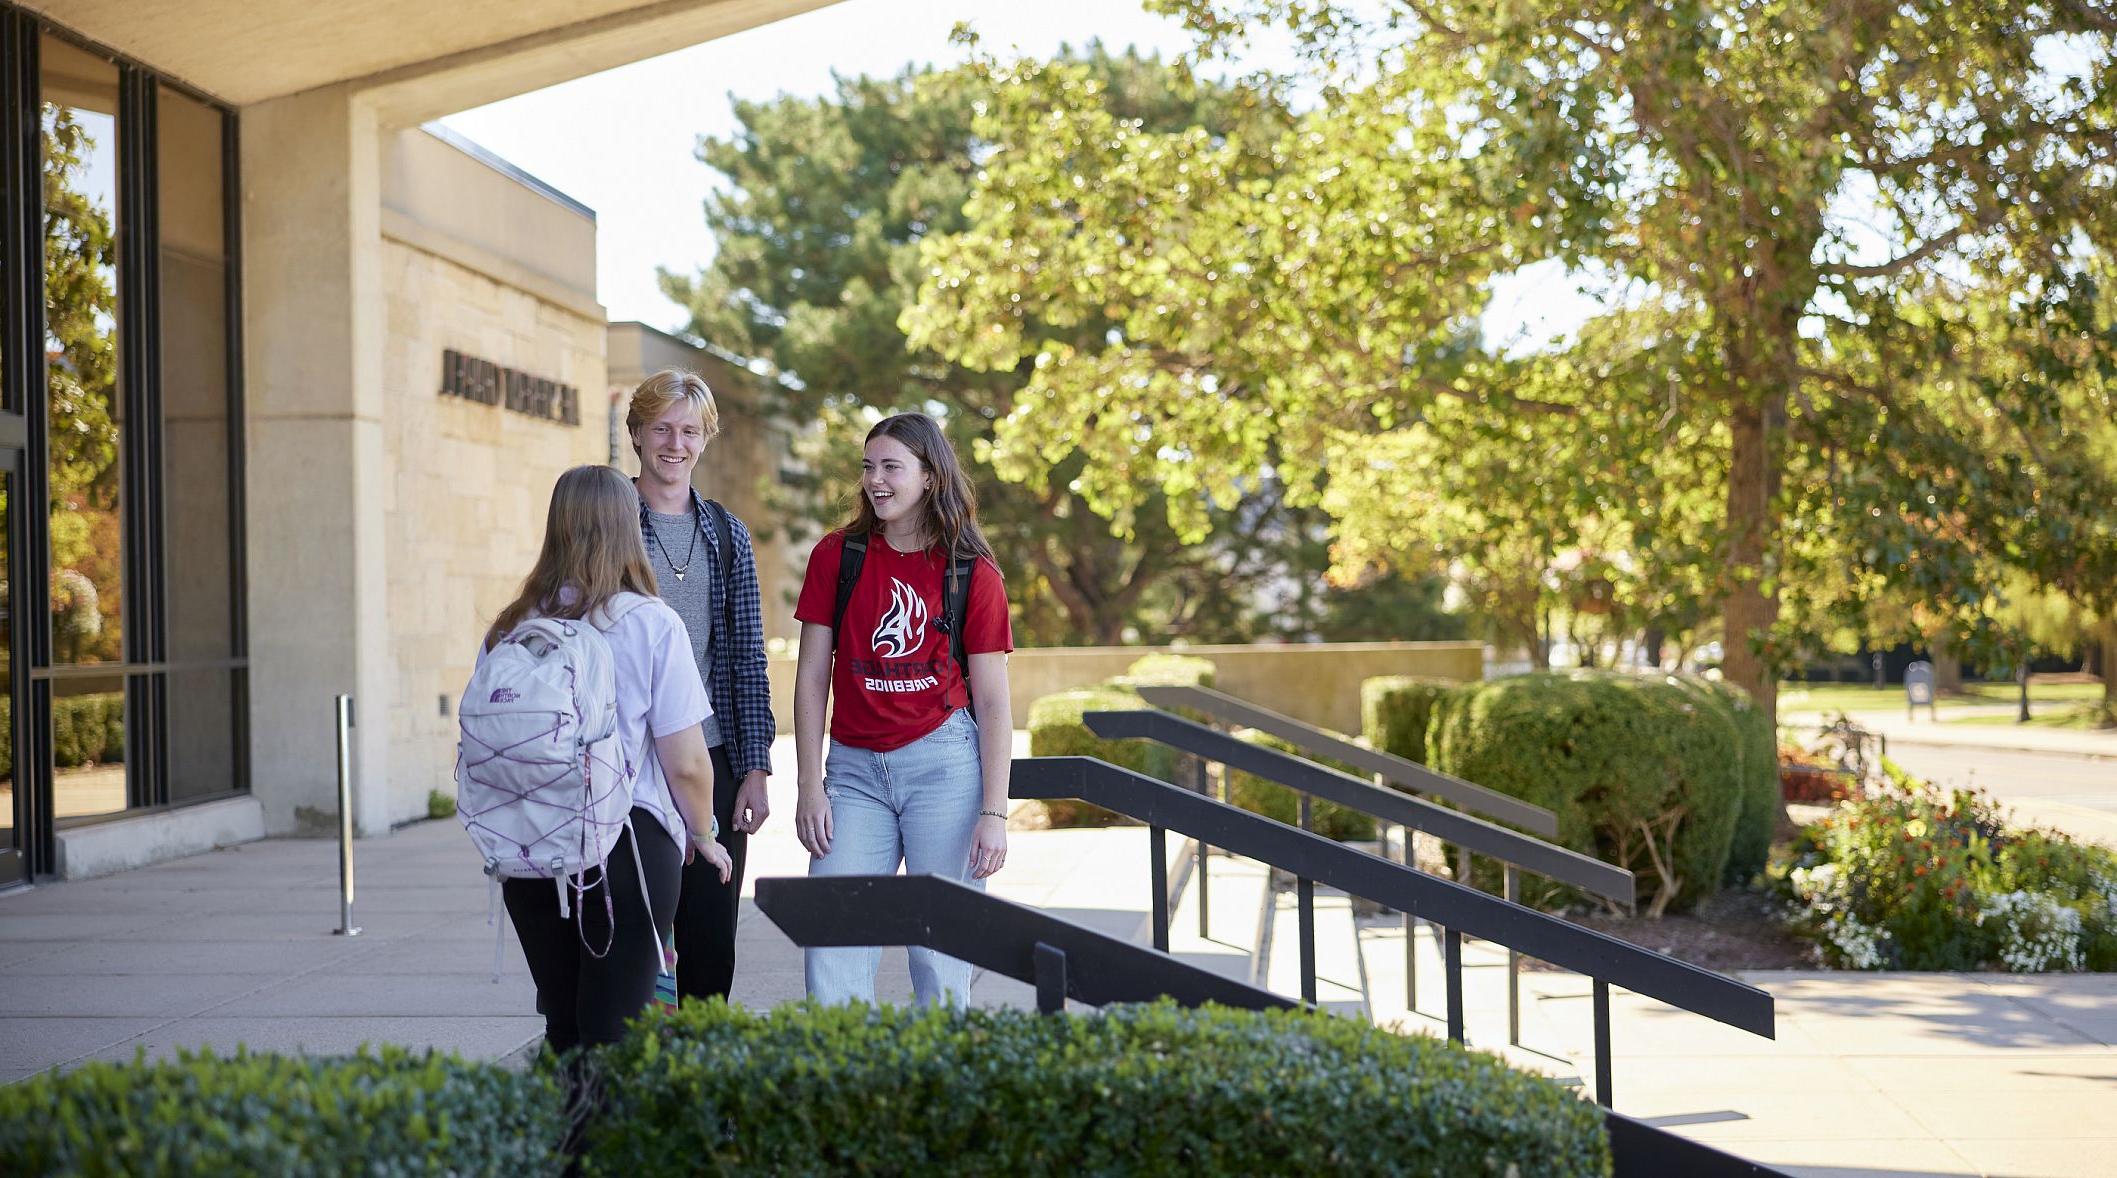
point(1135, 1090)
point(1396, 712)
point(807, 1089)
point(1756, 774)
point(1641, 771)
point(1283, 803)
point(1055, 730)
point(388, 1113)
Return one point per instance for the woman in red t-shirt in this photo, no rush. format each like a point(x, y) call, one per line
point(912, 775)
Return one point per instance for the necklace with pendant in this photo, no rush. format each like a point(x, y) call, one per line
point(690, 552)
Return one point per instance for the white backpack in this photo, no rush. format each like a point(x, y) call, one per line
point(541, 783)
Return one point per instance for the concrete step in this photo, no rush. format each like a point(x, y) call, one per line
point(1252, 932)
point(1547, 1039)
point(1341, 973)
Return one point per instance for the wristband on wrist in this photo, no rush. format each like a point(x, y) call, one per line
point(699, 838)
point(1000, 814)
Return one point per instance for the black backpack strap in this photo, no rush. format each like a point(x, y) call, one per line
point(851, 556)
point(724, 564)
point(955, 613)
point(724, 557)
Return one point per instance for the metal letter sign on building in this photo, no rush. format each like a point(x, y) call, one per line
point(487, 383)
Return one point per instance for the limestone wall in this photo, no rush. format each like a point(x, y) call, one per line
point(466, 484)
point(1316, 682)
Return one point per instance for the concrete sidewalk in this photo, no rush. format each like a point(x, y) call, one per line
point(236, 947)
point(1900, 729)
point(1870, 1074)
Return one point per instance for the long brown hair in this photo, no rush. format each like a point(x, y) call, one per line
point(591, 546)
point(951, 504)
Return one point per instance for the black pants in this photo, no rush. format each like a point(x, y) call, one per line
point(706, 914)
point(585, 998)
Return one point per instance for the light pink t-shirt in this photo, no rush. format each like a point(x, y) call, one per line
point(658, 694)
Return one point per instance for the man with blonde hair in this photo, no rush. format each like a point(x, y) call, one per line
point(704, 562)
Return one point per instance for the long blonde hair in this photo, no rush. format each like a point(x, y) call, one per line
point(592, 547)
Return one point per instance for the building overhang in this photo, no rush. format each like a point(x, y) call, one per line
point(412, 60)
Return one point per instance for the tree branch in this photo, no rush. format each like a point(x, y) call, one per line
point(1931, 246)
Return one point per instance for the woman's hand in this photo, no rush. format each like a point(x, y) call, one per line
point(713, 853)
point(812, 820)
point(988, 846)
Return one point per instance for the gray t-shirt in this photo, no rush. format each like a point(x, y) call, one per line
point(680, 538)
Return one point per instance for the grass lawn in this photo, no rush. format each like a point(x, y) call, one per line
point(1854, 697)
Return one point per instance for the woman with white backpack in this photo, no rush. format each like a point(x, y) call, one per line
point(593, 936)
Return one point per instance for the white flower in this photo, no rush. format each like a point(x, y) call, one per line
point(2038, 934)
point(1859, 945)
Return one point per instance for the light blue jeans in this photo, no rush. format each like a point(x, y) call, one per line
point(917, 805)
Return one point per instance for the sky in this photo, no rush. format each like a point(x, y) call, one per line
point(622, 142)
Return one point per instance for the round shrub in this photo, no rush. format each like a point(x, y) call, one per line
point(1756, 774)
point(1640, 772)
point(88, 729)
point(1283, 803)
point(393, 1112)
point(1132, 1090)
point(1396, 712)
point(1055, 730)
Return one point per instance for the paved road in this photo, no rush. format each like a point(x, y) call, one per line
point(2075, 794)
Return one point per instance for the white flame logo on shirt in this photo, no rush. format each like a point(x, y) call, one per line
point(902, 629)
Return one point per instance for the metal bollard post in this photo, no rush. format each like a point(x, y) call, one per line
point(346, 927)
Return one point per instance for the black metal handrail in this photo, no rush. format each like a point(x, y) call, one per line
point(1064, 960)
point(1459, 909)
point(1473, 798)
point(1550, 860)
point(1316, 741)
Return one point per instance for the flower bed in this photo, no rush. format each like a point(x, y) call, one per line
point(1804, 779)
point(1915, 878)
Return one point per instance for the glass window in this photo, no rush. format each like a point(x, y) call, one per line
point(195, 369)
point(87, 746)
point(80, 168)
point(79, 121)
point(202, 707)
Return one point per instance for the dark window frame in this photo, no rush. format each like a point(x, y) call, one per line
point(24, 422)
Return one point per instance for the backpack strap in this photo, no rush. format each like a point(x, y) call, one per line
point(851, 556)
point(955, 615)
point(613, 611)
point(724, 562)
point(654, 931)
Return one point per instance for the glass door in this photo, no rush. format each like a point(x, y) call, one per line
point(15, 816)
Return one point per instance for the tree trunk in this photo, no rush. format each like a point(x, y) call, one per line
point(2107, 641)
point(1748, 610)
point(1947, 665)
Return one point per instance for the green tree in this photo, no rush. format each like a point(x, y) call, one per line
point(818, 233)
point(80, 309)
point(1785, 199)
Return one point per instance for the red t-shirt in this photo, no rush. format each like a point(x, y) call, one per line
point(894, 679)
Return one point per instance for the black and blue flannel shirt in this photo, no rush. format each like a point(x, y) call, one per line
point(741, 692)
